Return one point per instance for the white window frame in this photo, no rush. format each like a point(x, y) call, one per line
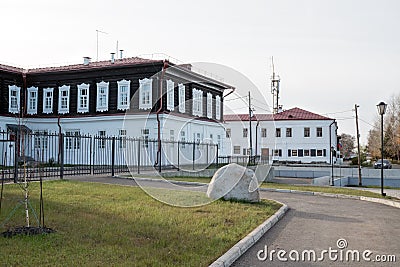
point(145, 92)
point(121, 95)
point(81, 87)
point(61, 89)
point(197, 102)
point(48, 110)
point(11, 108)
point(218, 107)
point(209, 105)
point(170, 95)
point(181, 98)
point(32, 100)
point(101, 107)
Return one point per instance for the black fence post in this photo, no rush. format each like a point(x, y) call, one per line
point(194, 153)
point(91, 155)
point(61, 148)
point(159, 156)
point(217, 155)
point(178, 155)
point(138, 155)
point(16, 148)
point(113, 156)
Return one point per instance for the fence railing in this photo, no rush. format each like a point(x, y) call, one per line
point(34, 155)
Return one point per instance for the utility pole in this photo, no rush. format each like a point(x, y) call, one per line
point(250, 132)
point(358, 147)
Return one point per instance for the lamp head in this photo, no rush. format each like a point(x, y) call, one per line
point(381, 108)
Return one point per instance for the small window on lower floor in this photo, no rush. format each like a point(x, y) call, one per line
point(236, 150)
point(294, 153)
point(306, 152)
point(319, 153)
point(313, 152)
point(277, 152)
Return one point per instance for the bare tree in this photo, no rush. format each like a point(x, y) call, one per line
point(348, 144)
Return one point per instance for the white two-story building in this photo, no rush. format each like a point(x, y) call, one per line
point(294, 135)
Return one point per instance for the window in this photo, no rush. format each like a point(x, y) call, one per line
point(288, 132)
point(209, 105)
point(228, 133)
point(277, 152)
point(13, 98)
point(145, 136)
point(83, 98)
point(32, 100)
point(170, 95)
point(171, 135)
point(300, 151)
point(319, 131)
point(211, 139)
point(41, 139)
point(145, 93)
point(198, 138)
point(102, 139)
point(236, 150)
point(219, 140)
point(182, 99)
point(217, 107)
point(289, 153)
point(294, 152)
point(124, 93)
point(244, 151)
point(48, 100)
point(122, 137)
point(307, 132)
point(63, 99)
point(319, 153)
point(263, 132)
point(102, 96)
point(72, 139)
point(245, 132)
point(278, 132)
point(183, 139)
point(313, 152)
point(197, 102)
point(306, 152)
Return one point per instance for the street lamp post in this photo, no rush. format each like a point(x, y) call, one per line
point(381, 110)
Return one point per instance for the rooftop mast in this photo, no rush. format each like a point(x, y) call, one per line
point(275, 80)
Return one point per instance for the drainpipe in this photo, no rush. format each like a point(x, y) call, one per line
point(158, 159)
point(330, 148)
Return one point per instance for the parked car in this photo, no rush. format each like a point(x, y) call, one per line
point(386, 164)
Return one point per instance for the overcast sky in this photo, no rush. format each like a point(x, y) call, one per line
point(330, 54)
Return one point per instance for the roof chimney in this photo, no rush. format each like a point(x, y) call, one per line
point(86, 60)
point(120, 53)
point(112, 58)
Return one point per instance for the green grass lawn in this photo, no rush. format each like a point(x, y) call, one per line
point(109, 225)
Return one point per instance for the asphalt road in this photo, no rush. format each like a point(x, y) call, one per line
point(316, 223)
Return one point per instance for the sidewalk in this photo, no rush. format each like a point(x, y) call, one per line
point(389, 192)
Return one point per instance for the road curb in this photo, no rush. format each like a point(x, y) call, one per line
point(243, 245)
point(386, 202)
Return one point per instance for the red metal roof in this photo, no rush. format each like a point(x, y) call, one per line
point(290, 114)
point(97, 65)
point(11, 68)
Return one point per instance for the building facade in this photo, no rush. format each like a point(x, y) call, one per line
point(294, 135)
point(130, 97)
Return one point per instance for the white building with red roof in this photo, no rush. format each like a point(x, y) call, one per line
point(293, 135)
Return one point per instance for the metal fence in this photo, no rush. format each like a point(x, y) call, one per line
point(40, 154)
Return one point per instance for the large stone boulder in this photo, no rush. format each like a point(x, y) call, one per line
point(234, 182)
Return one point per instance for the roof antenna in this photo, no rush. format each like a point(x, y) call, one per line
point(275, 80)
point(97, 43)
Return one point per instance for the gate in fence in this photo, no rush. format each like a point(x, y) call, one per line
point(41, 154)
